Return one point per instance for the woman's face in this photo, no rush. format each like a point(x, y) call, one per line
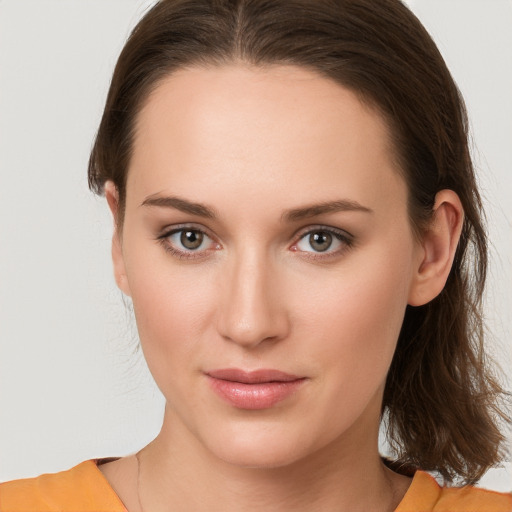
point(266, 228)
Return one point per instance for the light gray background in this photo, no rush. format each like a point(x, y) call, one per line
point(71, 385)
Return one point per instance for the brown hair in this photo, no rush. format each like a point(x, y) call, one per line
point(441, 402)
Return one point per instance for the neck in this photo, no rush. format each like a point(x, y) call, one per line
point(178, 473)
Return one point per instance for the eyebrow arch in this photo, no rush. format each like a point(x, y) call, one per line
point(180, 204)
point(293, 215)
point(342, 205)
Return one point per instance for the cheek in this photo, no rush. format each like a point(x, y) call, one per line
point(171, 304)
point(357, 317)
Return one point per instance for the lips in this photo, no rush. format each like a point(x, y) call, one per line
point(259, 389)
point(254, 377)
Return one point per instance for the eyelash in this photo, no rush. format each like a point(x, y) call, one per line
point(342, 236)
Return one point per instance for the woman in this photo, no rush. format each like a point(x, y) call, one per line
point(294, 207)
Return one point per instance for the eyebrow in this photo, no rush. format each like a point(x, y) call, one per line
point(292, 215)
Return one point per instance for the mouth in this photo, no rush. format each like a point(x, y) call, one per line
point(259, 389)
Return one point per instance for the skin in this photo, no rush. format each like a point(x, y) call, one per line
point(257, 294)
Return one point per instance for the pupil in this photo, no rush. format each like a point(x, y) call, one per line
point(191, 239)
point(320, 241)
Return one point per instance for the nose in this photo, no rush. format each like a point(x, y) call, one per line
point(252, 309)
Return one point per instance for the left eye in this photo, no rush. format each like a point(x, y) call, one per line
point(322, 240)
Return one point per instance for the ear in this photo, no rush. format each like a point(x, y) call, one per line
point(112, 197)
point(437, 249)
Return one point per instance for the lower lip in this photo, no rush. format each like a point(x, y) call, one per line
point(262, 395)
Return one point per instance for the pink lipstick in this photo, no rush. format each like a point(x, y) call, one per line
point(259, 389)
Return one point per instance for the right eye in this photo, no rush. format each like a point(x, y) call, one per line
point(187, 242)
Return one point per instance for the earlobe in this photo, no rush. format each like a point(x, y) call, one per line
point(437, 251)
point(112, 197)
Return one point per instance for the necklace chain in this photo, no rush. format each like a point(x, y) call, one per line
point(138, 482)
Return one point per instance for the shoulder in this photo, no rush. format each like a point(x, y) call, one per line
point(469, 499)
point(81, 488)
point(426, 495)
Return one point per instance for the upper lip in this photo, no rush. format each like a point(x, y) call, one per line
point(252, 377)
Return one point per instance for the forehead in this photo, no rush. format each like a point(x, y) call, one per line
point(241, 126)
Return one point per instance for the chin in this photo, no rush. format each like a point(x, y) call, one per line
point(266, 448)
point(259, 458)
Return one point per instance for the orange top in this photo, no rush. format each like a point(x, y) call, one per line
point(85, 489)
